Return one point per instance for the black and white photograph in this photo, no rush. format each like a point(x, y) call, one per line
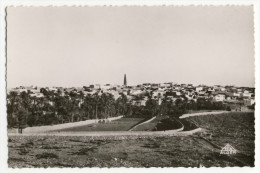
point(130, 86)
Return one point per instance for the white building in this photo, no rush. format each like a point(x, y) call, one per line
point(247, 95)
point(219, 97)
point(198, 89)
point(249, 101)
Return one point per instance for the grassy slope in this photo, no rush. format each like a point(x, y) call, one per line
point(234, 128)
point(122, 124)
point(235, 124)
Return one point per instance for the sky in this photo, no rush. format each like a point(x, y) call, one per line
point(78, 46)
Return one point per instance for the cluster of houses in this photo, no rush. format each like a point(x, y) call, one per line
point(139, 94)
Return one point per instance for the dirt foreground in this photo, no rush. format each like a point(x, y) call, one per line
point(200, 149)
point(189, 151)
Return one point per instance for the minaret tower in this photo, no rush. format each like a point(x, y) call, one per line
point(125, 82)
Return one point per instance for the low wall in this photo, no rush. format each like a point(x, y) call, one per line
point(41, 129)
point(119, 135)
point(202, 113)
point(186, 133)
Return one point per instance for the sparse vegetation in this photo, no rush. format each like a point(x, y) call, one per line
point(46, 156)
point(235, 124)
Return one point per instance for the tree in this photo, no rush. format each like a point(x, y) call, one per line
point(164, 107)
point(122, 104)
point(60, 103)
point(26, 103)
point(96, 103)
point(22, 118)
point(13, 104)
point(87, 106)
point(152, 107)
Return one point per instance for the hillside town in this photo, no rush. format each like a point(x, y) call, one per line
point(139, 94)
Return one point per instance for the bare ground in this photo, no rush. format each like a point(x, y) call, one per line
point(189, 151)
point(201, 149)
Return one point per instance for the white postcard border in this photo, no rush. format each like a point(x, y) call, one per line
point(3, 120)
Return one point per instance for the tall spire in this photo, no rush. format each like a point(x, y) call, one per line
point(125, 82)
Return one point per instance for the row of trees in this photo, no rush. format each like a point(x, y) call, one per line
point(173, 109)
point(56, 108)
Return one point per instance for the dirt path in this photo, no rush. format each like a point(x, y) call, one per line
point(203, 113)
point(142, 123)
